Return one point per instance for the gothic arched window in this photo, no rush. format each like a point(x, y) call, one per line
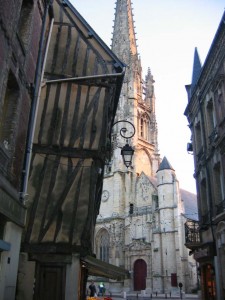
point(143, 127)
point(102, 245)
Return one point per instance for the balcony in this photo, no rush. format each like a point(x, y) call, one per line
point(192, 236)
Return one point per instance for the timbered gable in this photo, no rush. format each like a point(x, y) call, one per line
point(78, 100)
point(69, 116)
point(60, 189)
point(75, 49)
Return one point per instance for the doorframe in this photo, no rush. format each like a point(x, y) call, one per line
point(139, 259)
point(37, 284)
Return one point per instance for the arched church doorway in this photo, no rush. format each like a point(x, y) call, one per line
point(140, 274)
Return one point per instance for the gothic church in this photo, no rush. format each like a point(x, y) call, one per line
point(140, 226)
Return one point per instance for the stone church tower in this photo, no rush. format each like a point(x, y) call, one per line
point(140, 226)
point(137, 102)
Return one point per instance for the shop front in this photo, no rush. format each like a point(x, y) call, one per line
point(206, 270)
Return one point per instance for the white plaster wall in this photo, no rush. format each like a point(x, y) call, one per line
point(26, 281)
point(9, 262)
point(73, 279)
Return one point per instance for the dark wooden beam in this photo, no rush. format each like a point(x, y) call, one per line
point(70, 152)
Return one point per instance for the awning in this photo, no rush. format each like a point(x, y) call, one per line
point(4, 246)
point(97, 267)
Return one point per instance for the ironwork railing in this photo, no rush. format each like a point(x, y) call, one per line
point(192, 236)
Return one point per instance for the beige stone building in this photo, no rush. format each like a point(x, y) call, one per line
point(140, 226)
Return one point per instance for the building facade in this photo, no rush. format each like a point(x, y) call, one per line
point(141, 222)
point(60, 86)
point(205, 113)
point(21, 27)
point(78, 97)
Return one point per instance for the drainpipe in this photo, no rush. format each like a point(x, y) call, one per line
point(41, 60)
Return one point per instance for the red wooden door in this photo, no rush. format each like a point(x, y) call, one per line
point(140, 273)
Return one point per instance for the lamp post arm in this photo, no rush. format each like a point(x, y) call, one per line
point(123, 130)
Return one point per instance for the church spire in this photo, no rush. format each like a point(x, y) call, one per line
point(137, 98)
point(124, 41)
point(197, 67)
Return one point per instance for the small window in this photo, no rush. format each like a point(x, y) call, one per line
point(204, 203)
point(131, 211)
point(210, 117)
point(218, 198)
point(198, 137)
point(155, 199)
point(142, 128)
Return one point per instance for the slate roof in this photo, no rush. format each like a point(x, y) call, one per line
point(190, 204)
point(197, 67)
point(165, 165)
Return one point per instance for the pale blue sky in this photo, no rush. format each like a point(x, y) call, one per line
point(167, 32)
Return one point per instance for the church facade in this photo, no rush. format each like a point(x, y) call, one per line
point(140, 226)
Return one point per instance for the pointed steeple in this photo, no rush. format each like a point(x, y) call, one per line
point(197, 67)
point(124, 46)
point(165, 165)
point(124, 41)
point(137, 98)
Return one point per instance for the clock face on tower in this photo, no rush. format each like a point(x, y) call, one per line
point(105, 195)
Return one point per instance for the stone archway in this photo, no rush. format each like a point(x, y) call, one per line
point(140, 274)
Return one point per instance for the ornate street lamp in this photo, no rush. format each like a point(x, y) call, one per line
point(127, 154)
point(127, 151)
